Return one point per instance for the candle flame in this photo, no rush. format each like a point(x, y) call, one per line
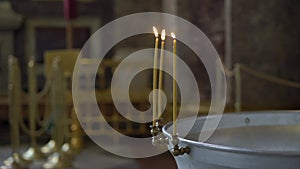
point(155, 31)
point(173, 35)
point(163, 34)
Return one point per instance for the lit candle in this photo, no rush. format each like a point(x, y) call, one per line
point(163, 36)
point(174, 83)
point(155, 76)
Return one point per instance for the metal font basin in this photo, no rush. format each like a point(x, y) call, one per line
point(250, 140)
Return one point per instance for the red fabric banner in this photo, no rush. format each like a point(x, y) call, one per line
point(70, 9)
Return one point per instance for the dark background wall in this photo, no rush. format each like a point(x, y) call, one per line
point(265, 38)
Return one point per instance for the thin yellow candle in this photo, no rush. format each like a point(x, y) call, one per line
point(163, 36)
point(155, 76)
point(174, 83)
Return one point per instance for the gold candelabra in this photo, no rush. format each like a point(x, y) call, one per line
point(16, 161)
point(60, 159)
point(33, 153)
point(58, 150)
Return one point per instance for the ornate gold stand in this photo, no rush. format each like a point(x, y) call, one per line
point(33, 153)
point(67, 60)
point(16, 161)
point(61, 154)
point(61, 158)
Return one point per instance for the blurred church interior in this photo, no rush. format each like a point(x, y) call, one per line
point(257, 41)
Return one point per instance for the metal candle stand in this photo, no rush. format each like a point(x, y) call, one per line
point(159, 139)
point(34, 152)
point(16, 161)
point(58, 150)
point(59, 159)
